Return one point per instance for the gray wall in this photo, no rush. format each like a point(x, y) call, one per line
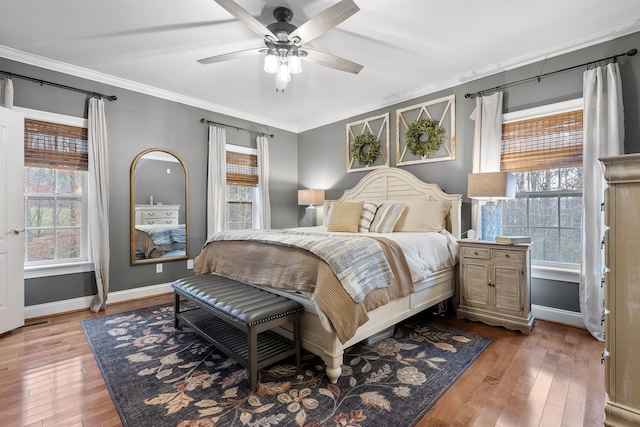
point(136, 122)
point(321, 152)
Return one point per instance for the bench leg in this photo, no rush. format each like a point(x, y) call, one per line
point(253, 356)
point(297, 337)
point(176, 310)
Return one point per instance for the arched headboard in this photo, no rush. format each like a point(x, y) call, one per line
point(396, 184)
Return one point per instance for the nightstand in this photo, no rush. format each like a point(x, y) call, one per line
point(495, 284)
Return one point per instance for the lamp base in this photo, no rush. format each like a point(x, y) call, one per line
point(311, 217)
point(491, 221)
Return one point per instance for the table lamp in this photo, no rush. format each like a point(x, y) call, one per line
point(490, 187)
point(310, 198)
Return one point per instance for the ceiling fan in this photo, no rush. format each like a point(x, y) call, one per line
point(284, 41)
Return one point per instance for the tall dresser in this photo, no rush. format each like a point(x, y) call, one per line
point(622, 290)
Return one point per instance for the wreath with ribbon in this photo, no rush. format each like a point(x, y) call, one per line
point(365, 148)
point(424, 136)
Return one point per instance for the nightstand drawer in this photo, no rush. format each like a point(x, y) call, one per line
point(477, 253)
point(508, 255)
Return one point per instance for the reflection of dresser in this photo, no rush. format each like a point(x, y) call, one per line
point(622, 290)
point(157, 214)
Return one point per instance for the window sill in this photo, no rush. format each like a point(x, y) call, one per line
point(560, 274)
point(34, 272)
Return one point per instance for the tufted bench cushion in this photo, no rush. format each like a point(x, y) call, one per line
point(237, 318)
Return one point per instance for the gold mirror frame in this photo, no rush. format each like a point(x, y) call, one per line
point(138, 209)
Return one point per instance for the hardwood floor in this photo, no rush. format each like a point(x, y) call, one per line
point(553, 377)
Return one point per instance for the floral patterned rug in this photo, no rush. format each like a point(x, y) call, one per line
point(159, 376)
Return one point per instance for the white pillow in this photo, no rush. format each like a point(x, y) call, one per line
point(366, 217)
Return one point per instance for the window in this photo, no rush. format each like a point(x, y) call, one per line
point(242, 180)
point(55, 186)
point(543, 147)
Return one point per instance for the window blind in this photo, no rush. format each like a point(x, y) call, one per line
point(242, 169)
point(547, 142)
point(56, 146)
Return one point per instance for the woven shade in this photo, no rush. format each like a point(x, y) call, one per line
point(242, 169)
point(548, 142)
point(56, 146)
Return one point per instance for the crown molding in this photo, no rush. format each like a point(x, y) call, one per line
point(85, 73)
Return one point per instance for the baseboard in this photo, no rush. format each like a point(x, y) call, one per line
point(58, 307)
point(557, 315)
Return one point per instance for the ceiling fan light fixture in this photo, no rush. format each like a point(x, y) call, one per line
point(271, 62)
point(295, 64)
point(280, 86)
point(283, 75)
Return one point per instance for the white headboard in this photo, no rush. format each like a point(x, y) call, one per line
point(394, 184)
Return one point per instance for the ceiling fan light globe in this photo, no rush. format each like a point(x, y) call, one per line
point(283, 75)
point(280, 86)
point(295, 64)
point(271, 63)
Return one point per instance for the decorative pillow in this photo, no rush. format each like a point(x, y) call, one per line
point(366, 217)
point(423, 215)
point(386, 217)
point(328, 207)
point(345, 216)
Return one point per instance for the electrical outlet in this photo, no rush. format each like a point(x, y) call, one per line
point(158, 268)
point(189, 264)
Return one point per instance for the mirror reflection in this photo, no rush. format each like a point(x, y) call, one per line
point(158, 207)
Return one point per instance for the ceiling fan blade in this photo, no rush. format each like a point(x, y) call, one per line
point(232, 55)
point(246, 18)
point(324, 21)
point(331, 61)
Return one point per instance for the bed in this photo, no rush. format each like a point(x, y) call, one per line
point(305, 272)
point(160, 241)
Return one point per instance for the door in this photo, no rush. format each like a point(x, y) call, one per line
point(11, 220)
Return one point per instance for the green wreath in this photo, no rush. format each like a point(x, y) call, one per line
point(424, 136)
point(368, 141)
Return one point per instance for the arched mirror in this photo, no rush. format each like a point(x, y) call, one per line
point(159, 207)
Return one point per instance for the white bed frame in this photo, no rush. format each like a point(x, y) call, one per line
point(383, 184)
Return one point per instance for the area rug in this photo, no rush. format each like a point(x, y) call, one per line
point(159, 376)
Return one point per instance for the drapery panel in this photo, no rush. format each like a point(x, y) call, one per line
point(217, 180)
point(6, 92)
point(603, 136)
point(263, 201)
point(99, 200)
point(487, 140)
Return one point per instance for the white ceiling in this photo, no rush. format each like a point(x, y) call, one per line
point(408, 48)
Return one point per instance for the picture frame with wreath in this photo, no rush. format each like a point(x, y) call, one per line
point(368, 145)
point(426, 132)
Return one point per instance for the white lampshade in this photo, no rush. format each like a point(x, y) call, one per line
point(310, 197)
point(271, 62)
point(295, 64)
point(283, 74)
point(491, 185)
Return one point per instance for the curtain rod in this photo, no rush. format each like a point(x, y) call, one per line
point(613, 58)
point(209, 122)
point(75, 89)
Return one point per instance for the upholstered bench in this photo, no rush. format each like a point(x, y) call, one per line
point(225, 307)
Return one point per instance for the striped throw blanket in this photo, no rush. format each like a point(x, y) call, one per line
point(358, 262)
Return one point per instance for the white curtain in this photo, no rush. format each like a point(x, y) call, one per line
point(603, 136)
point(487, 140)
point(263, 218)
point(98, 200)
point(217, 180)
point(6, 92)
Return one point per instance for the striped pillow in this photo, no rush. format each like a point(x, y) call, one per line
point(386, 217)
point(366, 216)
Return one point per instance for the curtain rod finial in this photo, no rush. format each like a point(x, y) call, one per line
point(632, 52)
